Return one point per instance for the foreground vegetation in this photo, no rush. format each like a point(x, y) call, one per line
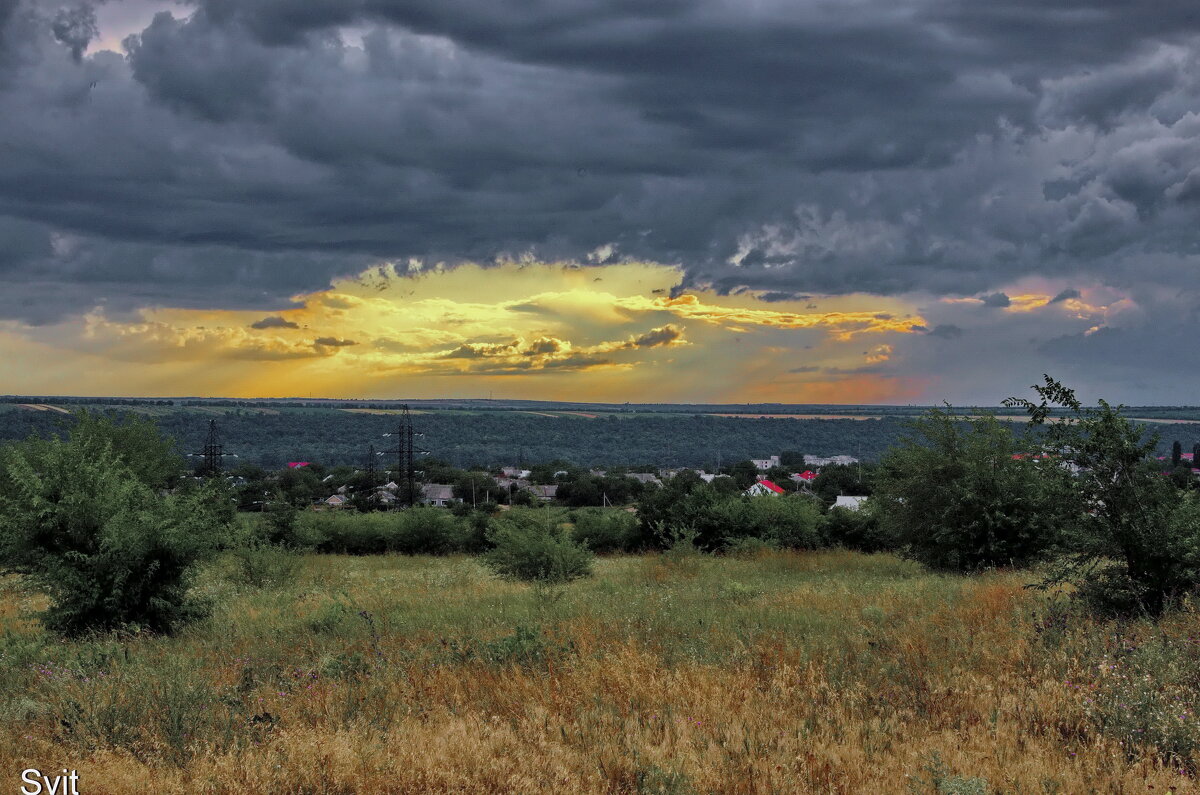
point(154, 639)
point(675, 672)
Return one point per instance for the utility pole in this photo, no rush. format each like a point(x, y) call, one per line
point(405, 453)
point(212, 452)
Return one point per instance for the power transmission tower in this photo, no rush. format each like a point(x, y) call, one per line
point(406, 453)
point(370, 465)
point(212, 452)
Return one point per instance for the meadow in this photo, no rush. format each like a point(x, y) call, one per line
point(779, 672)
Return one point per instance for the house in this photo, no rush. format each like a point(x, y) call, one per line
point(515, 472)
point(849, 503)
point(337, 501)
point(544, 493)
point(508, 484)
point(807, 476)
point(437, 494)
point(765, 463)
point(645, 478)
point(764, 488)
point(819, 461)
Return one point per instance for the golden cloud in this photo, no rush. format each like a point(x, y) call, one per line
point(613, 332)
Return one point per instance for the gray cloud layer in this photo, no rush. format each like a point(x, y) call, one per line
point(243, 152)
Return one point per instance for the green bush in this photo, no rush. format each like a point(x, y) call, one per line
point(1128, 520)
point(261, 565)
point(860, 530)
point(414, 531)
point(427, 531)
point(279, 525)
point(605, 531)
point(348, 533)
point(961, 494)
point(532, 554)
point(98, 539)
point(792, 521)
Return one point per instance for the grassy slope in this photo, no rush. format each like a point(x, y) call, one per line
point(814, 672)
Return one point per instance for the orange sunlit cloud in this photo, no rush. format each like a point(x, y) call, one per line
point(537, 330)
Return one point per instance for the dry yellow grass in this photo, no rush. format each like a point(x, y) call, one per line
point(820, 672)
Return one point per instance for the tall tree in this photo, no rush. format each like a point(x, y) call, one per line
point(1134, 544)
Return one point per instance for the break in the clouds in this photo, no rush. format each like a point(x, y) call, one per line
point(951, 155)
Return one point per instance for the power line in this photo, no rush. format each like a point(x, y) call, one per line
point(406, 452)
point(213, 452)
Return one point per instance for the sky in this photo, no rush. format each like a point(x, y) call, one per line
point(860, 201)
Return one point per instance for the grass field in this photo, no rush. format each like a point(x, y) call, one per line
point(788, 672)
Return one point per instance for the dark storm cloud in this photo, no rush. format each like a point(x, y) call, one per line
point(246, 152)
point(996, 300)
point(1065, 295)
point(657, 337)
point(273, 322)
point(332, 342)
point(75, 26)
point(946, 331)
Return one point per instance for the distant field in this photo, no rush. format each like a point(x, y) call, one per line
point(42, 407)
point(790, 673)
point(802, 416)
point(380, 411)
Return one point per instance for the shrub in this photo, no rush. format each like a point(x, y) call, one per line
point(261, 565)
point(534, 555)
point(791, 521)
point(414, 531)
point(605, 531)
point(348, 533)
point(426, 531)
point(1125, 511)
point(100, 541)
point(860, 530)
point(279, 525)
point(961, 494)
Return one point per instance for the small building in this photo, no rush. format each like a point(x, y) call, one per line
point(337, 501)
point(765, 463)
point(765, 488)
point(545, 493)
point(849, 503)
point(437, 494)
point(515, 472)
point(807, 476)
point(645, 478)
point(821, 461)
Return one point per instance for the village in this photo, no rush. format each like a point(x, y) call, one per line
point(514, 485)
